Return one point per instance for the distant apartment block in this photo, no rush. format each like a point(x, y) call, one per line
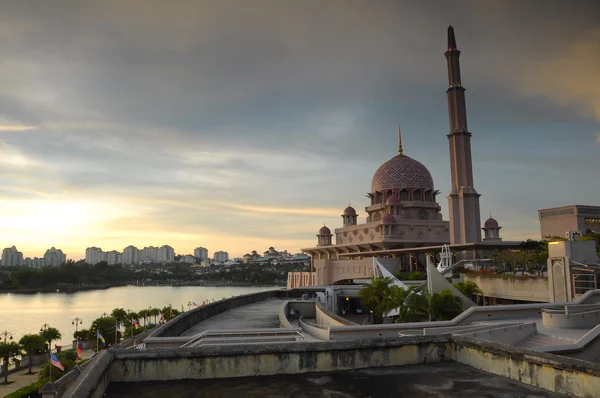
point(201, 253)
point(221, 257)
point(34, 262)
point(92, 255)
point(54, 257)
point(131, 255)
point(188, 259)
point(11, 257)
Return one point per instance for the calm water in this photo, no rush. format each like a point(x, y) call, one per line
point(25, 313)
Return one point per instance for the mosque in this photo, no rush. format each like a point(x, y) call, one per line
point(404, 219)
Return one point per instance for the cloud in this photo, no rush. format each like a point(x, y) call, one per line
point(17, 127)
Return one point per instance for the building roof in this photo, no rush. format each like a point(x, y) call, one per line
point(349, 211)
point(400, 172)
point(491, 223)
point(388, 219)
point(393, 200)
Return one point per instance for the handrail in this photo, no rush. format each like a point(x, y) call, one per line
point(250, 333)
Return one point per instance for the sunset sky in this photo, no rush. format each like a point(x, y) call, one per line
point(239, 125)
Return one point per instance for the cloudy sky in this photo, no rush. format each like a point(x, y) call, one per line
point(244, 124)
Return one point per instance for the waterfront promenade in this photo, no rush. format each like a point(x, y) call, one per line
point(21, 378)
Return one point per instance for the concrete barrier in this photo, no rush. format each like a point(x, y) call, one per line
point(505, 334)
point(562, 375)
point(317, 331)
point(327, 318)
point(306, 308)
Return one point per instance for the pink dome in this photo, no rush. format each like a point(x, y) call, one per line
point(400, 172)
point(349, 211)
point(388, 219)
point(393, 201)
point(324, 231)
point(491, 223)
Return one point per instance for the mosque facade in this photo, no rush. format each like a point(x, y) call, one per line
point(404, 212)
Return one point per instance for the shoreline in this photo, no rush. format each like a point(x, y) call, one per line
point(75, 289)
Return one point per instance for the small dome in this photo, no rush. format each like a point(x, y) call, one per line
point(324, 231)
point(388, 219)
point(349, 211)
point(491, 223)
point(393, 201)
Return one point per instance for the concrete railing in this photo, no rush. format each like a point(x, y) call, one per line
point(327, 318)
point(317, 331)
point(244, 336)
point(510, 335)
point(573, 318)
point(578, 345)
point(304, 307)
point(451, 330)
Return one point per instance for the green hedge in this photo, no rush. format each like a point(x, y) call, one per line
point(30, 391)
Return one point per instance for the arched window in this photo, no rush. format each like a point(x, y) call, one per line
point(428, 196)
point(416, 195)
point(422, 215)
point(403, 195)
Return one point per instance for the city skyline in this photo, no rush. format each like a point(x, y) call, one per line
point(247, 137)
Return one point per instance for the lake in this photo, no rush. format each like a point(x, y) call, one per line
point(22, 314)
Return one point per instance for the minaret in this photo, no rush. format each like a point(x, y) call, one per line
point(463, 200)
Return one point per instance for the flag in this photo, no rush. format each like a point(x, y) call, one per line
point(135, 324)
point(194, 303)
point(79, 351)
point(56, 362)
point(171, 314)
point(101, 339)
point(182, 310)
point(160, 315)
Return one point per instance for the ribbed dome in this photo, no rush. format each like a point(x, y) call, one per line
point(400, 172)
point(491, 223)
point(324, 231)
point(388, 219)
point(349, 211)
point(393, 201)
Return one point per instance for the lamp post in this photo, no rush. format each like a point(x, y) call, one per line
point(45, 326)
point(7, 335)
point(189, 305)
point(76, 322)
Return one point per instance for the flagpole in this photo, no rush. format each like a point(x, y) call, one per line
point(97, 338)
point(49, 349)
point(116, 323)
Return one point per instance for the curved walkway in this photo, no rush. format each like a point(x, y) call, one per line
point(261, 315)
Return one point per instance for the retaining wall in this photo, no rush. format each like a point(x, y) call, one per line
point(327, 318)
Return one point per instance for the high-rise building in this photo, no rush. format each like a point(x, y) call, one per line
point(54, 257)
point(114, 257)
point(130, 255)
point(221, 257)
point(148, 254)
point(92, 255)
point(11, 257)
point(201, 253)
point(463, 200)
point(165, 254)
point(34, 262)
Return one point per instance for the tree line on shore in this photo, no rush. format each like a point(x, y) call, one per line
point(101, 274)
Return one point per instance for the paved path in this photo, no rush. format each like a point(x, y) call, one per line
point(264, 314)
point(307, 337)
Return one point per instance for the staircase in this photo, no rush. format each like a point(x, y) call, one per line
point(538, 340)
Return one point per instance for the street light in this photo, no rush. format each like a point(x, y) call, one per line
point(189, 305)
point(76, 322)
point(7, 335)
point(44, 327)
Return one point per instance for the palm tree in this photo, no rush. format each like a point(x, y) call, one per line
point(119, 314)
point(7, 351)
point(49, 334)
point(443, 305)
point(376, 296)
point(468, 288)
point(32, 343)
point(154, 312)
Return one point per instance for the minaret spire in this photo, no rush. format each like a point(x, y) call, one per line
point(451, 39)
point(465, 220)
point(399, 141)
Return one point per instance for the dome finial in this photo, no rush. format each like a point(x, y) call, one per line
point(399, 141)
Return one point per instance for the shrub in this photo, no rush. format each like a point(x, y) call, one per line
point(29, 391)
